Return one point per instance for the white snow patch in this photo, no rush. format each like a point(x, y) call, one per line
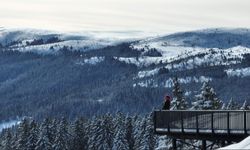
point(8, 124)
point(201, 79)
point(162, 143)
point(208, 56)
point(147, 83)
point(169, 83)
point(242, 72)
point(143, 74)
point(141, 61)
point(91, 61)
point(78, 40)
point(100, 100)
point(212, 57)
point(169, 53)
point(187, 93)
point(245, 144)
point(52, 48)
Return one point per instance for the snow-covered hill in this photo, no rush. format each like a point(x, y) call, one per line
point(214, 43)
point(93, 73)
point(191, 50)
point(208, 38)
point(49, 42)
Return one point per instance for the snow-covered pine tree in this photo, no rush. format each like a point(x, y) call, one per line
point(1, 138)
point(207, 99)
point(178, 101)
point(53, 125)
point(93, 131)
point(163, 143)
point(120, 142)
point(33, 136)
point(223, 107)
point(119, 118)
point(129, 132)
point(106, 133)
point(62, 136)
point(23, 134)
point(149, 139)
point(109, 128)
point(232, 105)
point(244, 106)
point(14, 139)
point(43, 142)
point(7, 140)
point(80, 139)
point(137, 131)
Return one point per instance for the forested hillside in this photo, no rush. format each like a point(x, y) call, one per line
point(58, 75)
point(106, 132)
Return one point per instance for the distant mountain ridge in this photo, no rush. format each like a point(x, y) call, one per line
point(54, 74)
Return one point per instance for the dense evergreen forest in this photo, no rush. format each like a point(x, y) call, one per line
point(107, 132)
point(56, 75)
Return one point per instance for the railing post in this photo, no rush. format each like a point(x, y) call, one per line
point(228, 125)
point(174, 144)
point(168, 123)
point(212, 122)
point(197, 122)
point(204, 145)
point(223, 143)
point(182, 127)
point(154, 118)
point(245, 122)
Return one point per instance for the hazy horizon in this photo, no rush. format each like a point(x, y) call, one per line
point(156, 16)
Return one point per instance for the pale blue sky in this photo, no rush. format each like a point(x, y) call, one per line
point(108, 15)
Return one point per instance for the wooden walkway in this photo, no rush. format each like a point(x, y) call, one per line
point(224, 125)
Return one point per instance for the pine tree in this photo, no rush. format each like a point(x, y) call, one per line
point(164, 142)
point(207, 99)
point(244, 106)
point(120, 142)
point(178, 101)
point(106, 133)
point(80, 139)
point(33, 136)
point(23, 134)
point(14, 141)
point(52, 129)
point(7, 141)
point(232, 105)
point(119, 118)
point(43, 142)
point(129, 132)
point(136, 131)
point(93, 132)
point(223, 107)
point(139, 132)
point(149, 139)
point(62, 136)
point(102, 142)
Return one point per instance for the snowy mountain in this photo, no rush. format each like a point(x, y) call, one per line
point(195, 57)
point(49, 42)
point(45, 73)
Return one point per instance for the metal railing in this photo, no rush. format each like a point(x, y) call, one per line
point(202, 121)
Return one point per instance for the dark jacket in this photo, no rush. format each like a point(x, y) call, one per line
point(166, 105)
